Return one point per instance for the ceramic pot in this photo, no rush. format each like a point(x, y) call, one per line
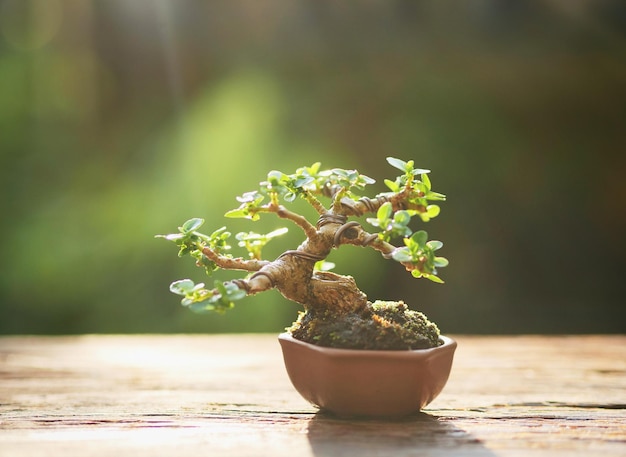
point(352, 382)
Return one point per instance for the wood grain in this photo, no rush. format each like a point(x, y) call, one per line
point(229, 395)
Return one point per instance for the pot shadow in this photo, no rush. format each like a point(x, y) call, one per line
point(330, 435)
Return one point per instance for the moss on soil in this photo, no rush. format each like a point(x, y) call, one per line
point(382, 325)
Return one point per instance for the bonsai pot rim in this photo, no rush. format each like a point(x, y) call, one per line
point(373, 383)
point(338, 352)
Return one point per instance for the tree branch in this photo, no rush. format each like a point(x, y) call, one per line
point(352, 233)
point(314, 202)
point(258, 282)
point(366, 205)
point(309, 230)
point(229, 263)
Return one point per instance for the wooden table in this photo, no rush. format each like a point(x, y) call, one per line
point(230, 396)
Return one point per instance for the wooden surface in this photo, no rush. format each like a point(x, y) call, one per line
point(230, 396)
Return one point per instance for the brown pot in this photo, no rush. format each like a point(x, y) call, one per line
point(352, 382)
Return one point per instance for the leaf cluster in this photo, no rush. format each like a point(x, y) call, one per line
point(306, 182)
point(411, 195)
point(191, 242)
point(418, 192)
point(420, 252)
point(255, 242)
point(199, 299)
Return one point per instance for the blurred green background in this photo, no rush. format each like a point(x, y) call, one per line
point(120, 119)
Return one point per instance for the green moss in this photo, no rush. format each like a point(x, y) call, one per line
point(382, 325)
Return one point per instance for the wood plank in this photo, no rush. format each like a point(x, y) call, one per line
point(229, 395)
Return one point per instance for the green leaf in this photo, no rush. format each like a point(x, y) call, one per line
point(303, 181)
point(392, 185)
point(402, 217)
point(171, 236)
point(397, 163)
point(441, 262)
point(434, 245)
point(274, 176)
point(402, 255)
point(237, 213)
point(323, 265)
point(426, 181)
point(251, 197)
point(277, 232)
point(245, 212)
point(384, 212)
point(191, 225)
point(420, 238)
point(433, 278)
point(183, 287)
point(435, 196)
point(432, 211)
point(420, 171)
point(199, 307)
point(219, 285)
point(234, 293)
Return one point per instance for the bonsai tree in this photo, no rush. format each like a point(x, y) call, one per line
point(336, 312)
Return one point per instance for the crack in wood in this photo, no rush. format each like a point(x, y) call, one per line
point(556, 404)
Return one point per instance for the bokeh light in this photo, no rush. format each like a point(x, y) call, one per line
point(119, 120)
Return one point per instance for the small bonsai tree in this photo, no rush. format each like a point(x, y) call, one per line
point(336, 313)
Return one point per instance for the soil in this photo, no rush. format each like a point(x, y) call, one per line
point(382, 325)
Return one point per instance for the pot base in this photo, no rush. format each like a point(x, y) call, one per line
point(352, 382)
